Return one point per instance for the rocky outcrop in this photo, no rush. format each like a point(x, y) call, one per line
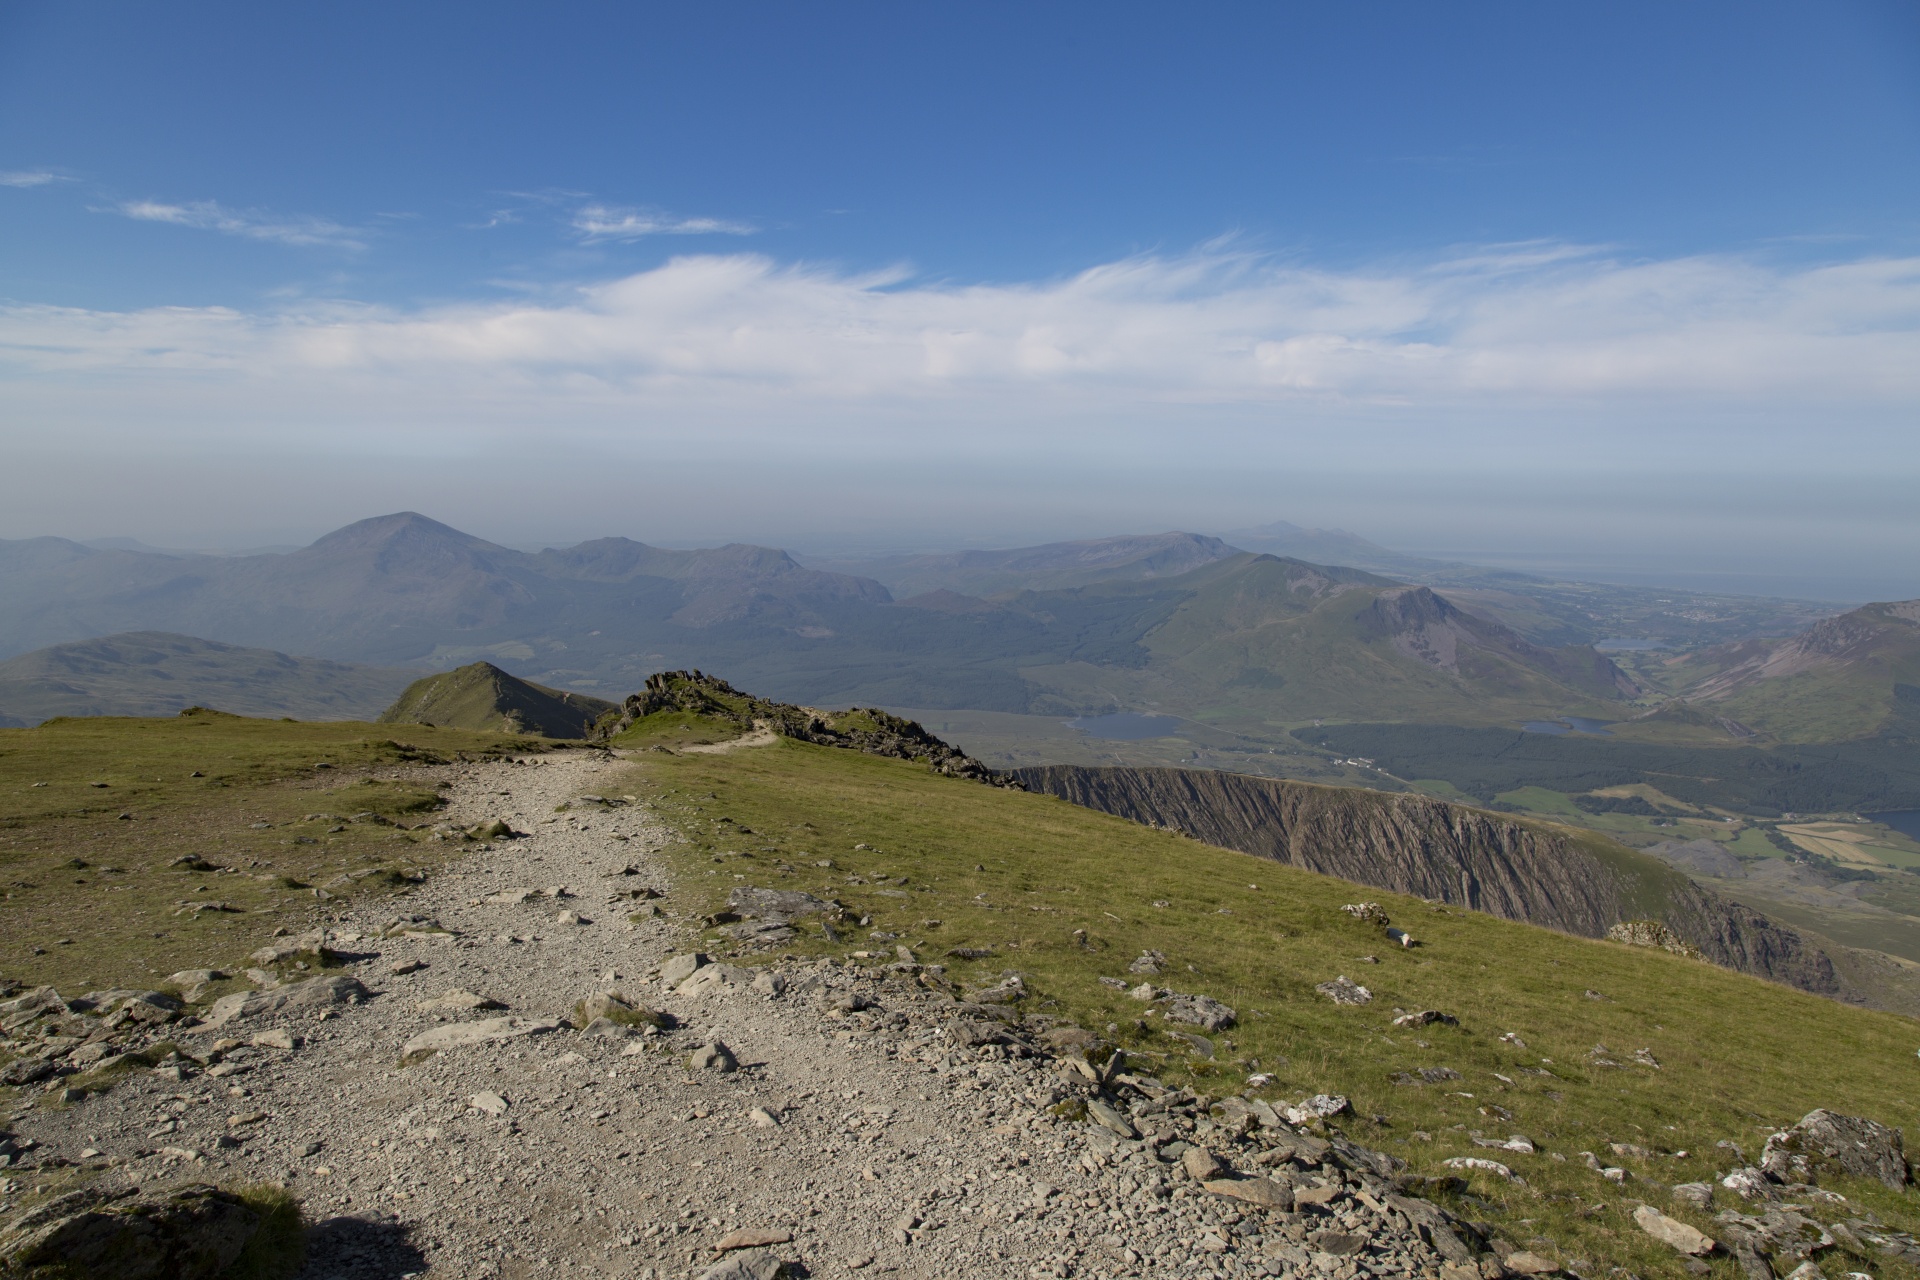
point(1448, 853)
point(193, 1232)
point(865, 729)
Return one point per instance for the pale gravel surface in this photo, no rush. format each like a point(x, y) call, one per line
point(896, 1149)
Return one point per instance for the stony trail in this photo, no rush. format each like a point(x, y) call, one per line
point(871, 1124)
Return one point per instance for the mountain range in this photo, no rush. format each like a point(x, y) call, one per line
point(1183, 623)
point(153, 673)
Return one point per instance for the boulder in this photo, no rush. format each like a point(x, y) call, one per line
point(612, 1007)
point(1264, 1192)
point(1672, 1232)
point(459, 1035)
point(713, 1056)
point(680, 968)
point(775, 906)
point(298, 997)
point(310, 947)
point(1344, 990)
point(1108, 1118)
point(189, 1233)
point(1200, 1011)
point(755, 1265)
point(1201, 1164)
point(714, 977)
point(1320, 1106)
point(1828, 1142)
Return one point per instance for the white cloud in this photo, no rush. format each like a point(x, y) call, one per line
point(207, 215)
point(596, 222)
point(29, 178)
point(1478, 357)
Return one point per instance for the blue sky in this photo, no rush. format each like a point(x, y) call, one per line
point(1635, 282)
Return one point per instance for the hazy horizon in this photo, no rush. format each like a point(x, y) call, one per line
point(1629, 294)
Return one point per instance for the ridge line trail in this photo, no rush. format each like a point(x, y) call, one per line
point(611, 1157)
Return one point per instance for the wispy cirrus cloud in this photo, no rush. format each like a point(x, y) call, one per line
point(29, 178)
point(208, 215)
point(599, 222)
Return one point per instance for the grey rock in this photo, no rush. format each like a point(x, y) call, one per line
point(680, 968)
point(1201, 1164)
point(460, 1035)
point(714, 977)
point(1108, 1118)
point(192, 1232)
point(713, 1056)
point(1200, 1011)
point(298, 997)
point(769, 982)
point(775, 906)
point(1672, 1232)
point(1344, 991)
point(1149, 962)
point(755, 1264)
point(1827, 1141)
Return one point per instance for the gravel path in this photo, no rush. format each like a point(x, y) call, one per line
point(863, 1122)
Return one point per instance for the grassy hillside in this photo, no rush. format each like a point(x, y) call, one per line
point(1844, 677)
point(155, 673)
point(482, 696)
point(96, 813)
point(1066, 896)
point(1063, 895)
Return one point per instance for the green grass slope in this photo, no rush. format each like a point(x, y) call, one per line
point(156, 673)
point(95, 812)
point(482, 696)
point(1844, 677)
point(984, 881)
point(1258, 641)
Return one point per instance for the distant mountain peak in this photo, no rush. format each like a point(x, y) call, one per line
point(401, 526)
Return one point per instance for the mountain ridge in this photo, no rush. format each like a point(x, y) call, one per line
point(156, 673)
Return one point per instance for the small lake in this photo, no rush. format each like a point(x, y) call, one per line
point(1905, 821)
point(1569, 724)
point(1127, 726)
point(1619, 645)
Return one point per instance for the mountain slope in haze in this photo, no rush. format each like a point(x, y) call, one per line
point(154, 673)
point(1332, 546)
point(404, 588)
point(1416, 845)
point(1843, 677)
point(482, 696)
point(1259, 638)
point(1256, 637)
point(1050, 567)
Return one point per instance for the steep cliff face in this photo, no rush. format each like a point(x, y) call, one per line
point(1446, 852)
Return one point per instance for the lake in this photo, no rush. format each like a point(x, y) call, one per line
point(1569, 724)
point(1617, 644)
point(1127, 726)
point(1905, 821)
